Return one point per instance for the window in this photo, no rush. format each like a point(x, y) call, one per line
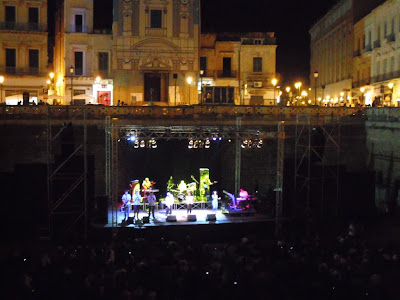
point(33, 17)
point(11, 60)
point(378, 68)
point(33, 61)
point(10, 17)
point(258, 42)
point(78, 63)
point(203, 64)
point(156, 19)
point(78, 23)
point(103, 64)
point(385, 29)
point(257, 64)
point(219, 95)
point(378, 33)
point(226, 66)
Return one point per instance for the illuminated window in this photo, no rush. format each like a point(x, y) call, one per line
point(257, 64)
point(156, 19)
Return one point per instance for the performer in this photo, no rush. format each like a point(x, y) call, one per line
point(182, 187)
point(146, 184)
point(232, 197)
point(214, 201)
point(170, 184)
point(189, 202)
point(169, 201)
point(136, 204)
point(151, 199)
point(243, 194)
point(126, 200)
point(206, 186)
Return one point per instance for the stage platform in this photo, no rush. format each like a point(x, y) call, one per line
point(222, 216)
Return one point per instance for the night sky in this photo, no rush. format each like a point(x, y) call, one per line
point(289, 19)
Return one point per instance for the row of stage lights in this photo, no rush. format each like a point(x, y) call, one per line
point(195, 144)
point(152, 143)
point(252, 143)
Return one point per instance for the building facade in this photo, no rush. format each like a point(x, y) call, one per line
point(332, 50)
point(82, 57)
point(23, 51)
point(382, 42)
point(156, 52)
point(238, 68)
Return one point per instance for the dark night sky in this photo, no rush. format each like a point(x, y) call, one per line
point(289, 19)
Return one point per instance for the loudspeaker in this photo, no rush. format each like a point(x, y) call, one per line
point(211, 217)
point(192, 218)
point(130, 220)
point(171, 218)
point(146, 220)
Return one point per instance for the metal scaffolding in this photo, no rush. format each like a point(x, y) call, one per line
point(316, 161)
point(279, 177)
point(64, 211)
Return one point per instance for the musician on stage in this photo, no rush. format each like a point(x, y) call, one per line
point(169, 201)
point(136, 204)
point(189, 202)
point(146, 185)
point(126, 200)
point(214, 201)
point(206, 186)
point(135, 186)
point(151, 199)
point(170, 184)
point(182, 187)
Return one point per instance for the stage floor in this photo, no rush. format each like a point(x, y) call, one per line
point(222, 217)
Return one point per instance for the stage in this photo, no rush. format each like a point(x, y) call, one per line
point(202, 217)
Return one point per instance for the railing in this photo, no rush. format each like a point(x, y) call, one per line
point(356, 53)
point(368, 48)
point(34, 27)
point(77, 29)
point(361, 82)
point(377, 44)
point(226, 74)
point(188, 113)
point(22, 71)
point(156, 31)
point(390, 38)
point(386, 76)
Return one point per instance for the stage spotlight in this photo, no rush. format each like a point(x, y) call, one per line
point(250, 144)
point(190, 145)
point(196, 144)
point(136, 144)
point(131, 138)
point(207, 144)
point(244, 144)
point(201, 143)
point(142, 144)
point(153, 143)
point(220, 138)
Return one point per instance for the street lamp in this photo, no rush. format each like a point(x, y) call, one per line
point(274, 82)
point(316, 74)
point(288, 92)
point(362, 91)
point(297, 85)
point(71, 71)
point(1, 88)
point(189, 81)
point(201, 86)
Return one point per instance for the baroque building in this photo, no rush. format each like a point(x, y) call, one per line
point(23, 51)
point(82, 57)
point(332, 42)
point(156, 51)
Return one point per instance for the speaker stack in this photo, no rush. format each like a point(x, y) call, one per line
point(211, 217)
point(171, 218)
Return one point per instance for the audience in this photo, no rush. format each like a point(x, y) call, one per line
point(251, 268)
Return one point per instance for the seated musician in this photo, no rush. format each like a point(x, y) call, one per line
point(170, 184)
point(182, 187)
point(243, 194)
point(146, 185)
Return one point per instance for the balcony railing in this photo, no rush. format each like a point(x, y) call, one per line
point(377, 44)
point(356, 53)
point(156, 31)
point(29, 27)
point(368, 48)
point(390, 38)
point(77, 29)
point(22, 71)
point(227, 74)
point(361, 82)
point(386, 76)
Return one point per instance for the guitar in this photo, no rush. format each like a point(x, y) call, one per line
point(191, 176)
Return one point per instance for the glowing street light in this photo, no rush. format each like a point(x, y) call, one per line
point(274, 82)
point(189, 81)
point(71, 72)
point(316, 74)
point(1, 88)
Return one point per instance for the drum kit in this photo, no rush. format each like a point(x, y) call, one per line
point(180, 194)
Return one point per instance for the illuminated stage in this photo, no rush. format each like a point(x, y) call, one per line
point(221, 217)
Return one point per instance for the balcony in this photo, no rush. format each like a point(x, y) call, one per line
point(386, 76)
point(22, 71)
point(390, 38)
point(77, 29)
point(368, 48)
point(156, 31)
point(377, 44)
point(356, 53)
point(361, 82)
point(226, 74)
point(26, 27)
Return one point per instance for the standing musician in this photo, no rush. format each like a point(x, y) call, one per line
point(126, 200)
point(214, 201)
point(169, 201)
point(136, 204)
point(135, 186)
point(151, 199)
point(189, 202)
